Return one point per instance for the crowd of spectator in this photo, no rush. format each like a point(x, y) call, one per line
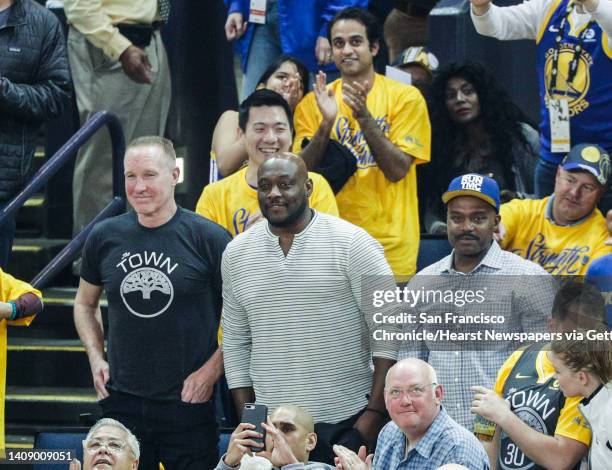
point(321, 186)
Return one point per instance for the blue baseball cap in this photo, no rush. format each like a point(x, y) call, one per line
point(473, 184)
point(591, 158)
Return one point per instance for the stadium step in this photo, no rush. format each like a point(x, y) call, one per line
point(14, 441)
point(49, 384)
point(49, 405)
point(31, 255)
point(40, 362)
point(56, 320)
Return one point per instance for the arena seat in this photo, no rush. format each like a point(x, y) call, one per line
point(59, 441)
point(431, 249)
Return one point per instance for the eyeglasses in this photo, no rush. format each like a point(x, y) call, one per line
point(416, 391)
point(113, 446)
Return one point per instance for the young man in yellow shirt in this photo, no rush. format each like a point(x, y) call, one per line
point(384, 124)
point(564, 232)
point(266, 125)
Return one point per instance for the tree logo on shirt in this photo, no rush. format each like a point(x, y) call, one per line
point(574, 92)
point(146, 291)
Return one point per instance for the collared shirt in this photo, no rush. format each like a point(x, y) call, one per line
point(445, 442)
point(96, 20)
point(517, 290)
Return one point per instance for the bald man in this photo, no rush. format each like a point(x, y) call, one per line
point(290, 438)
point(294, 328)
point(421, 434)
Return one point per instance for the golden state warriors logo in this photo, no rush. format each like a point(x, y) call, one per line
point(574, 92)
point(593, 155)
point(554, 385)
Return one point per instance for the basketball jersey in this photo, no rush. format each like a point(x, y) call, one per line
point(589, 95)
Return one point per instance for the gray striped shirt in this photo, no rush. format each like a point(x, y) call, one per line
point(293, 327)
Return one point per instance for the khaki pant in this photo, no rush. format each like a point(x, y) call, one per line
point(142, 109)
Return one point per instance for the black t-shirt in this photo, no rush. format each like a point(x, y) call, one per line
point(163, 286)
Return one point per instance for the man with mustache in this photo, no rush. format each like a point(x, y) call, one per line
point(563, 232)
point(295, 327)
point(481, 283)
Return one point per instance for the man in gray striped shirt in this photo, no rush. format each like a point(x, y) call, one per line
point(295, 329)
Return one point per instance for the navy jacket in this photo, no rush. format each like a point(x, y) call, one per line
point(34, 83)
point(300, 24)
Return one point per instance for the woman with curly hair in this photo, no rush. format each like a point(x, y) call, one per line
point(476, 128)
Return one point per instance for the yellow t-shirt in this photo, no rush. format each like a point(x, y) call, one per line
point(571, 423)
point(10, 289)
point(566, 250)
point(387, 211)
point(231, 201)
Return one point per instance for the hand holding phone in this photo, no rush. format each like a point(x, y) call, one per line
point(255, 414)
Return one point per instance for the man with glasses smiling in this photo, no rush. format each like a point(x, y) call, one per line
point(421, 435)
point(110, 445)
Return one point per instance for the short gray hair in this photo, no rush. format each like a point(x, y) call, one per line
point(155, 140)
point(132, 442)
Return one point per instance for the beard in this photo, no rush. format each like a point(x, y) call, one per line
point(291, 218)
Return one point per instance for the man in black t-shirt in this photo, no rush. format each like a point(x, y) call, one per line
point(160, 269)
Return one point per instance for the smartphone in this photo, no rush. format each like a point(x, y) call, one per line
point(256, 414)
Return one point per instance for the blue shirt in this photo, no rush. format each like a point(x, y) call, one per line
point(300, 23)
point(600, 274)
point(589, 95)
point(445, 442)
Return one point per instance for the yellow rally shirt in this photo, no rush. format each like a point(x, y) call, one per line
point(565, 250)
point(10, 289)
point(570, 424)
point(231, 201)
point(387, 211)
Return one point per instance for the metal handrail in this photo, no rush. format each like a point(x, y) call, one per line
point(53, 165)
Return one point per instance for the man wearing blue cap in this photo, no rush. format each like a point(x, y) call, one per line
point(503, 284)
point(564, 232)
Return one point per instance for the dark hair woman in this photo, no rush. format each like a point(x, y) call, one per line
point(476, 128)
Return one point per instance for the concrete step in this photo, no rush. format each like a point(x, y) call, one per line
point(49, 405)
point(56, 321)
point(31, 255)
point(42, 362)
